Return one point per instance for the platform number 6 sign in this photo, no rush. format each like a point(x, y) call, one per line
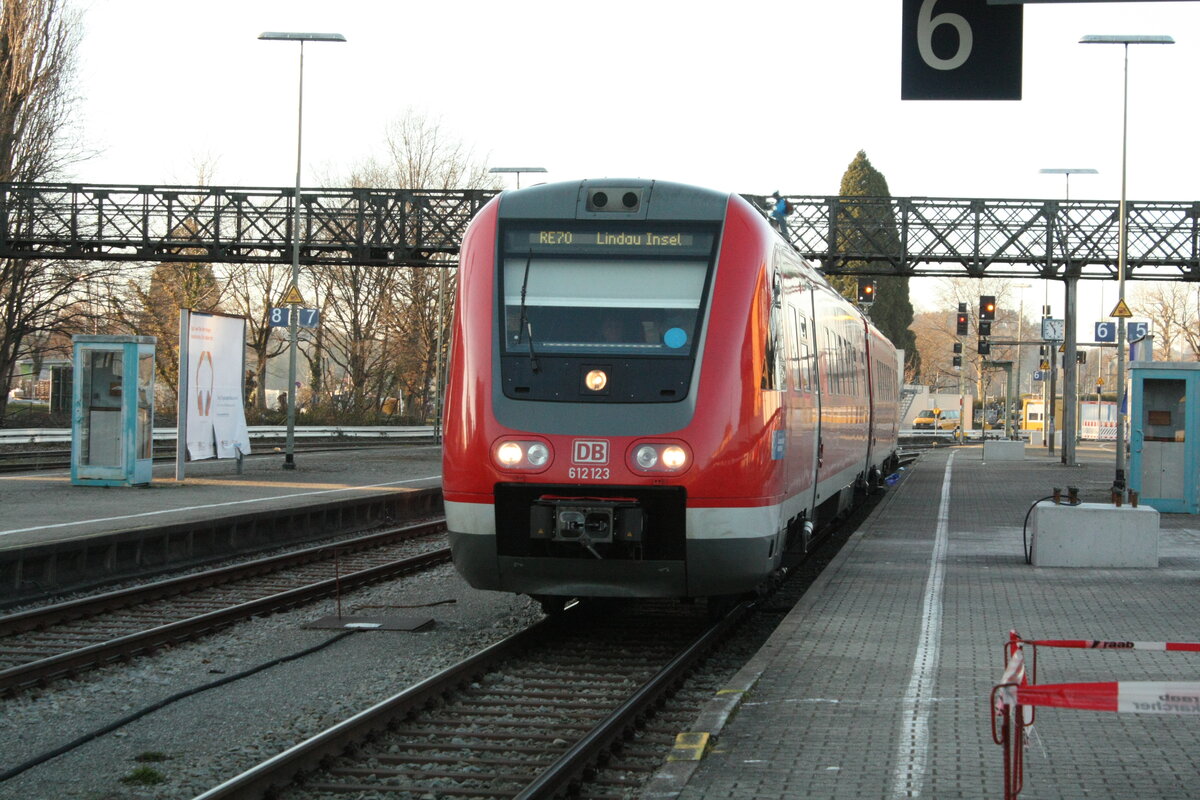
point(960, 50)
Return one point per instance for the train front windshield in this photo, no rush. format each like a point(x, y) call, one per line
point(611, 292)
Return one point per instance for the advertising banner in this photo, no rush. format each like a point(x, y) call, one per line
point(216, 419)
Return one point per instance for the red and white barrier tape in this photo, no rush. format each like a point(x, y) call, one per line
point(1141, 697)
point(1014, 675)
point(1100, 644)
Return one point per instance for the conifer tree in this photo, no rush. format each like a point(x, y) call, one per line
point(873, 227)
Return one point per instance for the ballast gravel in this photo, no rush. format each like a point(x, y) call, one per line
point(200, 741)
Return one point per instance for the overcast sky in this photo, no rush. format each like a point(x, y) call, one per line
point(746, 97)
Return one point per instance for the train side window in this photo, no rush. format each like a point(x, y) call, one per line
point(774, 376)
point(794, 350)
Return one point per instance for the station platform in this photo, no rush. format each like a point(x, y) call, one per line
point(52, 532)
point(878, 683)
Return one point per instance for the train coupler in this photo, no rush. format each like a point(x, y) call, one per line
point(587, 520)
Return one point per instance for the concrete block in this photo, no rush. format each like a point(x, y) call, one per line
point(1003, 450)
point(1038, 438)
point(1094, 535)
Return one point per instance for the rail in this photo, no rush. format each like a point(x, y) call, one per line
point(17, 436)
point(269, 777)
point(166, 625)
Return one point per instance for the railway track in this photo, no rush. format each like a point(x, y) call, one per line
point(532, 716)
point(33, 460)
point(64, 639)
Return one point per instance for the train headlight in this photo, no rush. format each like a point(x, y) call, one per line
point(509, 454)
point(537, 454)
point(596, 380)
point(518, 454)
point(674, 457)
point(647, 456)
point(659, 458)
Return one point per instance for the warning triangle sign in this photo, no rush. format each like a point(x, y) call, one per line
point(1121, 310)
point(292, 296)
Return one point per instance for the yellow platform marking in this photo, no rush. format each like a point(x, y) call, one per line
point(32, 478)
point(689, 746)
point(280, 484)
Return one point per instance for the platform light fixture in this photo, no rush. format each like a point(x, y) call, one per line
point(517, 171)
point(1123, 236)
point(289, 457)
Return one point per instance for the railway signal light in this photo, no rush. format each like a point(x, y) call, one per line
point(987, 306)
point(961, 322)
point(866, 291)
point(985, 347)
point(958, 361)
point(985, 327)
point(958, 347)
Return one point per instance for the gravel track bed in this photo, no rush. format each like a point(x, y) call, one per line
point(202, 740)
point(209, 737)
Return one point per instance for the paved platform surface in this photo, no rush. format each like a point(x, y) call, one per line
point(877, 684)
point(44, 507)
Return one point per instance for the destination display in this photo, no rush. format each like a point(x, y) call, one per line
point(559, 239)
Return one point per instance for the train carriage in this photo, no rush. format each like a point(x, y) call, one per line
point(650, 394)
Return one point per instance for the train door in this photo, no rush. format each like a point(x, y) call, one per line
point(873, 398)
point(817, 374)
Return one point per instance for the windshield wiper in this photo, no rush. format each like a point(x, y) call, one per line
point(523, 322)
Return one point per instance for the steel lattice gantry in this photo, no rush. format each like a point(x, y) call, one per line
point(233, 224)
point(868, 235)
point(919, 236)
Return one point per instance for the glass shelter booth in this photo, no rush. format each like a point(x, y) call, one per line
point(112, 417)
point(1165, 435)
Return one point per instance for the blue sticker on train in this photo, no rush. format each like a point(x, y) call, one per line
point(778, 445)
point(675, 338)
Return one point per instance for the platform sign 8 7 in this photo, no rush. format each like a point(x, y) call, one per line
point(281, 317)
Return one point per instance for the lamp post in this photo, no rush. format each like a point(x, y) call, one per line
point(1118, 486)
point(1070, 425)
point(289, 458)
point(517, 170)
point(1020, 329)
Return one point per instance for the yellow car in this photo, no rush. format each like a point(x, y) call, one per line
point(936, 419)
point(927, 419)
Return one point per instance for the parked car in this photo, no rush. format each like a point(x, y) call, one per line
point(935, 419)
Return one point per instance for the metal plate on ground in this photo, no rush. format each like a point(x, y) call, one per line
point(334, 622)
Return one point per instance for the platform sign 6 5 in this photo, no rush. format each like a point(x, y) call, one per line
point(1107, 331)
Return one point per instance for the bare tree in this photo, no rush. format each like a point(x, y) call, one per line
point(249, 290)
point(38, 45)
point(382, 326)
point(1173, 309)
point(935, 335)
point(153, 309)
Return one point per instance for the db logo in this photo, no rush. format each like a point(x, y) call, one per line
point(584, 451)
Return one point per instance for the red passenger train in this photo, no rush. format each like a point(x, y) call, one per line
point(650, 395)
